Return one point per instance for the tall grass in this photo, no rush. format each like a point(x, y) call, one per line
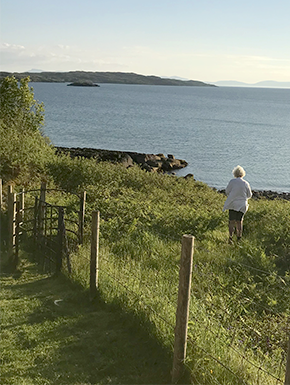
point(239, 308)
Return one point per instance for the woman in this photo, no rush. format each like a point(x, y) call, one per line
point(238, 192)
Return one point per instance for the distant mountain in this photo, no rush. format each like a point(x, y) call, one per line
point(266, 83)
point(103, 77)
point(33, 70)
point(230, 83)
point(272, 83)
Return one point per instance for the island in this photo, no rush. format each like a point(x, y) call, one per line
point(83, 84)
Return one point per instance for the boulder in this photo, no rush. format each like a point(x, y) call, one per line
point(188, 176)
point(148, 162)
point(126, 160)
point(154, 162)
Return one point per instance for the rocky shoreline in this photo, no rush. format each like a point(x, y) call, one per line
point(266, 194)
point(149, 162)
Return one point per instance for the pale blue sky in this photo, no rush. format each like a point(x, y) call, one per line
point(208, 40)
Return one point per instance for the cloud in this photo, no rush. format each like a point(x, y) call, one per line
point(63, 47)
point(59, 57)
point(4, 47)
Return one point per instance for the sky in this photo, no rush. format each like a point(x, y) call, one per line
point(205, 40)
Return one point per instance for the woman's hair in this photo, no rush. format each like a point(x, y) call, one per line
point(239, 172)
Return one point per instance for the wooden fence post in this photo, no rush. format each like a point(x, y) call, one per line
point(11, 220)
point(60, 239)
point(1, 194)
point(41, 207)
point(94, 265)
point(17, 230)
point(182, 311)
point(22, 200)
point(287, 375)
point(35, 223)
point(82, 217)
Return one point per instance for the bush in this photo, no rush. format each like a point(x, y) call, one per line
point(23, 155)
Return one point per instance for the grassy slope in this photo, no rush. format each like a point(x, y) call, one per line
point(74, 342)
point(143, 218)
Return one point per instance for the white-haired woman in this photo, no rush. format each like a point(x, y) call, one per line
point(238, 192)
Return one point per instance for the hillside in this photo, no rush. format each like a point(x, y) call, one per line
point(103, 77)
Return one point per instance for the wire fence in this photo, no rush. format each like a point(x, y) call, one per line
point(230, 323)
point(250, 349)
point(236, 330)
point(230, 326)
point(222, 328)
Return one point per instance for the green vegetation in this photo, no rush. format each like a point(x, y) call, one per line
point(24, 151)
point(240, 293)
point(18, 106)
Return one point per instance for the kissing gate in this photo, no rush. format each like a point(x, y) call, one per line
point(56, 230)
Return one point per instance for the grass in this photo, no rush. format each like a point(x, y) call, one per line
point(239, 291)
point(72, 341)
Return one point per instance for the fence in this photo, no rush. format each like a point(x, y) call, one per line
point(54, 228)
point(185, 298)
point(226, 326)
point(228, 318)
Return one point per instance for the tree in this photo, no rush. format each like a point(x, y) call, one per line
point(24, 151)
point(18, 108)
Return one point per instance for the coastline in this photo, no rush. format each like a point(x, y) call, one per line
point(153, 163)
point(265, 194)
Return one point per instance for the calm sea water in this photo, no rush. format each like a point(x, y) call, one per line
point(213, 129)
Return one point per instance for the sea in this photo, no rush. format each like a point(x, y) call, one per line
point(213, 128)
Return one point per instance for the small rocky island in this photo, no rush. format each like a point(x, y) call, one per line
point(83, 84)
point(148, 162)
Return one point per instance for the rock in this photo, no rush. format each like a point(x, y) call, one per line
point(126, 160)
point(154, 163)
point(148, 162)
point(173, 164)
point(188, 176)
point(167, 166)
point(146, 167)
point(183, 162)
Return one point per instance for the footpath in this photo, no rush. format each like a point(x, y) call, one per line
point(52, 334)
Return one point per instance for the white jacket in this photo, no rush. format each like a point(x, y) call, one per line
point(238, 192)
